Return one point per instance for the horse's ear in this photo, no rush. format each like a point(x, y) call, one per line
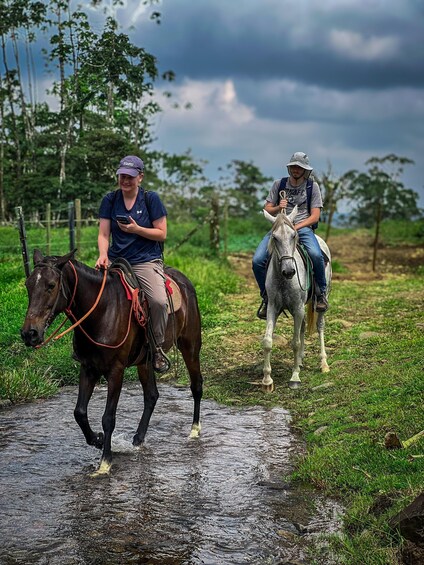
point(293, 214)
point(63, 260)
point(38, 256)
point(269, 217)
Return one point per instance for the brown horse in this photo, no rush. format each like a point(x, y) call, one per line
point(62, 284)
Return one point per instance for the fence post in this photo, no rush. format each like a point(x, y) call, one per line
point(226, 227)
point(48, 229)
point(78, 222)
point(214, 225)
point(22, 236)
point(71, 223)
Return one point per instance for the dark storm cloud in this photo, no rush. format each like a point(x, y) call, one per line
point(341, 45)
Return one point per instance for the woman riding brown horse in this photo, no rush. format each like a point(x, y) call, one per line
point(110, 338)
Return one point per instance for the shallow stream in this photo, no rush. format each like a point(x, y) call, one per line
point(219, 499)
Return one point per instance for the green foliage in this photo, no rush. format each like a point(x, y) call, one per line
point(374, 342)
point(379, 194)
point(246, 187)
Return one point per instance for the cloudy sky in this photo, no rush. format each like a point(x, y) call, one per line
point(342, 80)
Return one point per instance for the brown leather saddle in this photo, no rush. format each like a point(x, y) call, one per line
point(136, 294)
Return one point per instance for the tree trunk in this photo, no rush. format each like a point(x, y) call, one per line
point(376, 236)
point(214, 225)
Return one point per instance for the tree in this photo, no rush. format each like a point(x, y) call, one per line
point(246, 186)
point(333, 191)
point(378, 194)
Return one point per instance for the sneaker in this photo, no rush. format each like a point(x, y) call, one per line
point(322, 303)
point(161, 363)
point(261, 313)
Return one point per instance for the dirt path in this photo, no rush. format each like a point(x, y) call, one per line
point(353, 253)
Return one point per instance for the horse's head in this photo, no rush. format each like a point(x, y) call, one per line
point(283, 241)
point(45, 294)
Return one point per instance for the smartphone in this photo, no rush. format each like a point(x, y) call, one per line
point(123, 219)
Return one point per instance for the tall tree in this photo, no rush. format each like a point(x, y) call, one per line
point(379, 194)
point(245, 186)
point(333, 190)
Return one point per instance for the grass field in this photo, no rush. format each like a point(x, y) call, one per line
point(374, 337)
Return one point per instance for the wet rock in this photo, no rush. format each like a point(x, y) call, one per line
point(410, 521)
point(391, 441)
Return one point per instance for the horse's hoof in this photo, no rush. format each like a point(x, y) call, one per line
point(195, 431)
point(293, 385)
point(137, 440)
point(104, 469)
point(268, 388)
point(325, 369)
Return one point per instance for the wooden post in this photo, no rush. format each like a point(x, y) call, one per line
point(48, 229)
point(22, 236)
point(226, 228)
point(71, 223)
point(214, 225)
point(78, 222)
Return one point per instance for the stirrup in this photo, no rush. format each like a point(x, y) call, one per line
point(323, 307)
point(261, 313)
point(161, 363)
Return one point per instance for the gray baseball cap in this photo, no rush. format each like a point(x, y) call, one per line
point(130, 165)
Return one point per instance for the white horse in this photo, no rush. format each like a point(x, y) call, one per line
point(288, 281)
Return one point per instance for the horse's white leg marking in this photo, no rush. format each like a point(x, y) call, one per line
point(104, 469)
point(299, 318)
point(195, 430)
point(267, 346)
point(302, 343)
point(320, 327)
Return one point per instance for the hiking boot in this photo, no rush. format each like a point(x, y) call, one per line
point(321, 303)
point(261, 313)
point(161, 363)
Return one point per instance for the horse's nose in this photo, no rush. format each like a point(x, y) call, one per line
point(288, 273)
point(30, 337)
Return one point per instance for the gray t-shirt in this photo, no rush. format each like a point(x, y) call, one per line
point(296, 195)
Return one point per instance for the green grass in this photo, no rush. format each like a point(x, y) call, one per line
point(374, 337)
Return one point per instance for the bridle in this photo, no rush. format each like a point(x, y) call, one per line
point(281, 258)
point(69, 313)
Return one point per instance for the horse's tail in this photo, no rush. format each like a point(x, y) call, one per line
point(311, 319)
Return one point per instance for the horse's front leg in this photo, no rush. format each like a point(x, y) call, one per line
point(271, 319)
point(190, 349)
point(114, 377)
point(297, 343)
point(87, 381)
point(323, 354)
point(151, 395)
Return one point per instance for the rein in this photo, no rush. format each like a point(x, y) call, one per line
point(77, 323)
point(281, 258)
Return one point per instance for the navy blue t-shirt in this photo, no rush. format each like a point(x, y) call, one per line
point(134, 248)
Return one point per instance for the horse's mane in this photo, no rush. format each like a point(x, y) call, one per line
point(92, 274)
point(281, 220)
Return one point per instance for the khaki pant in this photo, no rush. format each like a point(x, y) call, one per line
point(152, 280)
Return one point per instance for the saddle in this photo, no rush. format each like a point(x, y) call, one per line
point(313, 289)
point(136, 294)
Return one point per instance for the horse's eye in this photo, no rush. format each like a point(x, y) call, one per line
point(51, 286)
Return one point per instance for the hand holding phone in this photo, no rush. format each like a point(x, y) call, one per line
point(123, 219)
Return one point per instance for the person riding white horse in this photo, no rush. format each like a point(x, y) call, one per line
point(295, 190)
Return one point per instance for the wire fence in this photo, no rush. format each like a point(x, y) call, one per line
point(59, 236)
